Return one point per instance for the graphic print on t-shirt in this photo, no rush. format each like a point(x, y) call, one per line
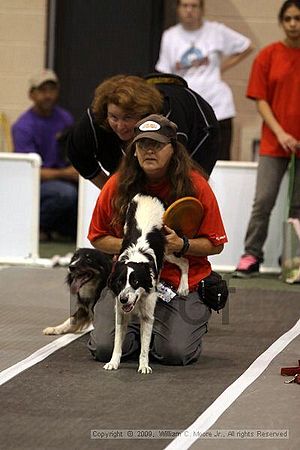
point(193, 57)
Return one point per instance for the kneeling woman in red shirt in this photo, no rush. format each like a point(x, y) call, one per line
point(157, 164)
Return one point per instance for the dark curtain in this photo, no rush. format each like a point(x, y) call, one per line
point(95, 39)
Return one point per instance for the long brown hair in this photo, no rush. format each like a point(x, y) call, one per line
point(132, 179)
point(131, 93)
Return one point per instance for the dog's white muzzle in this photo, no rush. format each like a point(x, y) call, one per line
point(129, 297)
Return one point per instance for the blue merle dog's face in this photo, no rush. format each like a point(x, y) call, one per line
point(88, 271)
point(130, 281)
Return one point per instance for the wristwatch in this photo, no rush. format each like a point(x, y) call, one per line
point(185, 247)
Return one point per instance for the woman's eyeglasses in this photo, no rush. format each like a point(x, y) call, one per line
point(150, 144)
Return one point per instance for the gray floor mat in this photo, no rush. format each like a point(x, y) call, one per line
point(266, 405)
point(56, 403)
point(31, 299)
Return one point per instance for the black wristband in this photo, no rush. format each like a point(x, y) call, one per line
point(185, 247)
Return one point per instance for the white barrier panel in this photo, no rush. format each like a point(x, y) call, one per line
point(19, 207)
point(233, 184)
point(87, 196)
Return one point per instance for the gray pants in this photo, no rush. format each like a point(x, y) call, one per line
point(269, 176)
point(177, 331)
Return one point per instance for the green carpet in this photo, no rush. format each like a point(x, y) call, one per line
point(51, 248)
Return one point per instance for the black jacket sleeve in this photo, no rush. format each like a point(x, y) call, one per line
point(91, 148)
point(82, 148)
point(197, 124)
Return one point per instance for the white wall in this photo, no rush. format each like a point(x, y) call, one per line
point(22, 51)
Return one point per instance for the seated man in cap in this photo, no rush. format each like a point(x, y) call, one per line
point(40, 130)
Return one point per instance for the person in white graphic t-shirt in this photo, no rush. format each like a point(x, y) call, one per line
point(200, 51)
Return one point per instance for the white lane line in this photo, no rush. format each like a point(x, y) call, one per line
point(39, 355)
point(217, 408)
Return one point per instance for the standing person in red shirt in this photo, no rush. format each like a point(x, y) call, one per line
point(275, 86)
point(160, 166)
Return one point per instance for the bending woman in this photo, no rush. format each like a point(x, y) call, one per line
point(97, 142)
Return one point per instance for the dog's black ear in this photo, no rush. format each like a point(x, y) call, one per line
point(117, 279)
point(113, 274)
point(68, 279)
point(110, 280)
point(152, 264)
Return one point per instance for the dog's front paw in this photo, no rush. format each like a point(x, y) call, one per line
point(111, 365)
point(144, 369)
point(183, 291)
point(50, 330)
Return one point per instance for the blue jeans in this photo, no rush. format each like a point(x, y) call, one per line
point(58, 207)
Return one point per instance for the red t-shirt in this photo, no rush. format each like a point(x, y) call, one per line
point(211, 226)
point(275, 77)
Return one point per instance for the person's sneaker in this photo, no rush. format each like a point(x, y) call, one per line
point(247, 266)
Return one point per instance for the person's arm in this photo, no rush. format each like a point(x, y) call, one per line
point(163, 63)
point(198, 127)
point(23, 140)
point(233, 60)
point(65, 173)
point(82, 148)
point(198, 246)
point(204, 135)
point(286, 140)
point(108, 244)
point(100, 179)
point(102, 234)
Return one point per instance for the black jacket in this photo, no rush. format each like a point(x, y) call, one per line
point(90, 147)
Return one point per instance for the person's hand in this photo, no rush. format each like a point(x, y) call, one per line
point(65, 173)
point(69, 173)
point(174, 242)
point(288, 142)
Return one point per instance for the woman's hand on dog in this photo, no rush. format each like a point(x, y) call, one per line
point(174, 243)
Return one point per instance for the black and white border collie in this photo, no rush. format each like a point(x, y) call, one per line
point(136, 274)
point(88, 272)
